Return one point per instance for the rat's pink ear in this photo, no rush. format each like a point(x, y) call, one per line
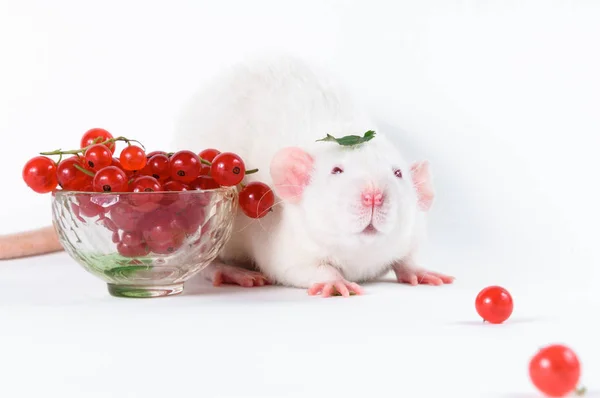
point(290, 170)
point(422, 180)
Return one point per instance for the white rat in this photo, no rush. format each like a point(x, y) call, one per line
point(343, 215)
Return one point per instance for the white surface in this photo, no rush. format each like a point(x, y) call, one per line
point(63, 335)
point(502, 97)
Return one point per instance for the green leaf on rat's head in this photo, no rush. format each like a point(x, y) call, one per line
point(350, 140)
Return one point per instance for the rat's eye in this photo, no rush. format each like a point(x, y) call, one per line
point(398, 173)
point(337, 170)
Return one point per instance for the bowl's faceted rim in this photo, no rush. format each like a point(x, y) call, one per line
point(221, 190)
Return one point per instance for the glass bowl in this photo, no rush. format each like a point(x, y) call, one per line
point(144, 244)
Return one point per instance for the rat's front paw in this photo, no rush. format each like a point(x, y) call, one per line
point(336, 288)
point(412, 276)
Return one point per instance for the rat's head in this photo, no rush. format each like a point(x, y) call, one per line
point(349, 196)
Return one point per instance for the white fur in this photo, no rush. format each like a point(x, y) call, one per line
point(263, 106)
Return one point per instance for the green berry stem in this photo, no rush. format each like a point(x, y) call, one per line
point(580, 391)
point(78, 167)
point(251, 171)
point(82, 150)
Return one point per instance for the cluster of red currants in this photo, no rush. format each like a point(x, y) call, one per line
point(143, 224)
point(555, 369)
point(94, 168)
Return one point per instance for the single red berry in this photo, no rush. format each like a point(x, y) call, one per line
point(132, 251)
point(146, 198)
point(184, 166)
point(227, 169)
point(149, 155)
point(256, 199)
point(175, 186)
point(145, 184)
point(116, 162)
point(70, 177)
point(87, 207)
point(158, 167)
point(95, 136)
point(133, 158)
point(555, 370)
point(132, 238)
point(110, 179)
point(205, 170)
point(97, 157)
point(163, 232)
point(209, 154)
point(125, 217)
point(39, 173)
point(494, 304)
point(204, 183)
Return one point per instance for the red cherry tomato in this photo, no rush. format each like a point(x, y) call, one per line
point(494, 304)
point(555, 370)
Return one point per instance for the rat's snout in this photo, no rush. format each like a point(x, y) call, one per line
point(372, 197)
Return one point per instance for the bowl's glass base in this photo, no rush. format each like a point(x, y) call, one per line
point(137, 291)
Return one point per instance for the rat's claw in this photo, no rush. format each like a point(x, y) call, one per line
point(337, 288)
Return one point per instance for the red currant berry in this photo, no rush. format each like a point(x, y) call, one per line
point(133, 238)
point(175, 186)
point(494, 304)
point(39, 173)
point(149, 155)
point(88, 208)
point(256, 199)
point(125, 217)
point(227, 169)
point(158, 167)
point(98, 157)
point(133, 158)
point(110, 179)
point(185, 166)
point(205, 170)
point(117, 163)
point(95, 136)
point(163, 232)
point(71, 178)
point(145, 184)
point(204, 183)
point(126, 250)
point(209, 154)
point(143, 200)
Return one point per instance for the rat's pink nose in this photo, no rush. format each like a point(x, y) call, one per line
point(372, 198)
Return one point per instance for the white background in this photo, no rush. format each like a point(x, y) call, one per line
point(503, 98)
